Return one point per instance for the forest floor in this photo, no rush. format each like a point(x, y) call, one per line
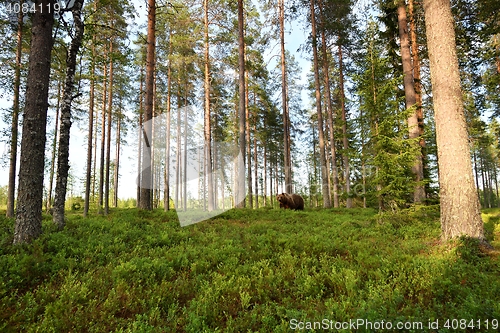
point(264, 270)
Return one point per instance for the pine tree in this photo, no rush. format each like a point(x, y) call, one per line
point(29, 199)
point(460, 214)
point(145, 198)
point(324, 167)
point(65, 125)
point(15, 117)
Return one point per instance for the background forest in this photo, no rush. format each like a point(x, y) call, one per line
point(361, 142)
point(119, 116)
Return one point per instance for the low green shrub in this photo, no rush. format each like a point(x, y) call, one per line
point(244, 270)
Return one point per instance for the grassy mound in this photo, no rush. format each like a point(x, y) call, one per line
point(262, 270)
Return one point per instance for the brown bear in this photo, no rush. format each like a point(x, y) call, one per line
point(290, 201)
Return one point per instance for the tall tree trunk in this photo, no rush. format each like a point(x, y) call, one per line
point(284, 103)
point(374, 125)
point(345, 141)
point(94, 159)
point(315, 166)
point(265, 176)
point(208, 129)
point(90, 133)
point(54, 149)
point(217, 175)
point(117, 158)
point(326, 71)
point(64, 132)
point(324, 168)
point(153, 189)
point(460, 214)
point(255, 161)
point(30, 193)
point(271, 192)
point(108, 135)
point(416, 74)
point(166, 194)
point(145, 198)
point(139, 140)
point(15, 117)
point(249, 144)
point(178, 151)
point(240, 169)
point(185, 141)
point(411, 100)
point(103, 136)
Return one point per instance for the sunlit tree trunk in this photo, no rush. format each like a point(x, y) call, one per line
point(460, 214)
point(265, 176)
point(139, 139)
point(284, 102)
point(326, 71)
point(185, 143)
point(208, 129)
point(166, 194)
point(90, 133)
point(240, 169)
point(103, 137)
point(145, 199)
point(345, 140)
point(324, 168)
point(117, 158)
point(178, 153)
point(416, 72)
point(94, 158)
point(255, 161)
point(108, 135)
point(249, 144)
point(411, 99)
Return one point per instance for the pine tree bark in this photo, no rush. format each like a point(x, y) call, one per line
point(65, 126)
point(11, 191)
point(139, 141)
point(240, 169)
point(326, 71)
point(178, 153)
point(255, 160)
point(208, 129)
point(284, 103)
point(265, 176)
point(90, 138)
point(416, 73)
point(117, 158)
point(185, 142)
point(411, 100)
point(460, 214)
point(345, 140)
point(166, 194)
point(30, 193)
point(145, 199)
point(249, 143)
point(108, 134)
point(324, 168)
point(103, 137)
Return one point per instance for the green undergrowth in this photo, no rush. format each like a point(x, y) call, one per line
point(245, 271)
